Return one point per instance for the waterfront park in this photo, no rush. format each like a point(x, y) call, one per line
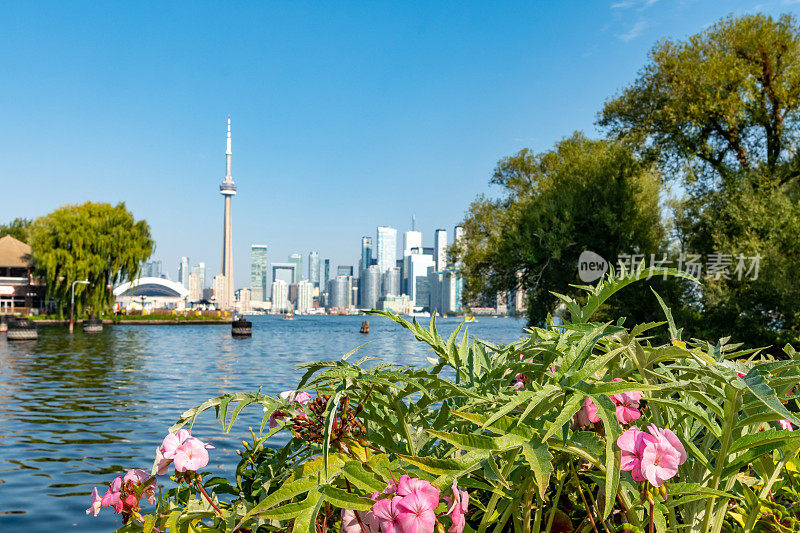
point(647, 378)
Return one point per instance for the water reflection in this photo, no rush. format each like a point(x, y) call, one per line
point(76, 411)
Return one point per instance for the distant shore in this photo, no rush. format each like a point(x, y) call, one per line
point(140, 322)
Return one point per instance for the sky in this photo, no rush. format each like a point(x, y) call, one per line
point(345, 115)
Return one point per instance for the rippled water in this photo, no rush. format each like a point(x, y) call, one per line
point(77, 411)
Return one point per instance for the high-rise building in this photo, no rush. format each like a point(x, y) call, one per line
point(411, 239)
point(286, 272)
point(258, 272)
point(386, 247)
point(440, 249)
point(195, 290)
point(417, 264)
point(338, 293)
point(183, 272)
point(313, 268)
point(280, 296)
point(344, 270)
point(227, 189)
point(150, 269)
point(305, 297)
point(366, 253)
point(325, 274)
point(297, 259)
point(220, 286)
point(390, 282)
point(200, 270)
point(370, 287)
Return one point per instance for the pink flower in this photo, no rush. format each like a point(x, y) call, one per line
point(415, 514)
point(391, 488)
point(587, 414)
point(653, 456)
point(407, 486)
point(290, 396)
point(659, 462)
point(165, 454)
point(138, 476)
point(519, 381)
point(386, 513)
point(350, 522)
point(191, 455)
point(112, 496)
point(627, 405)
point(632, 443)
point(785, 424)
point(94, 508)
point(457, 507)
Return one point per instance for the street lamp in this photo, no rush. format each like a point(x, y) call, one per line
point(72, 302)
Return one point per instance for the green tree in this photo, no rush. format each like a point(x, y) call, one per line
point(720, 106)
point(720, 111)
point(583, 195)
point(94, 241)
point(19, 228)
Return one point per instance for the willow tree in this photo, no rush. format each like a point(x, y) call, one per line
point(94, 241)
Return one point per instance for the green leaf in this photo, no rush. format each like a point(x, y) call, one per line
point(534, 399)
point(355, 472)
point(442, 467)
point(761, 390)
point(571, 407)
point(346, 500)
point(764, 437)
point(473, 442)
point(540, 460)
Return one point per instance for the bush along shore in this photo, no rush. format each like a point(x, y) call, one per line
point(581, 426)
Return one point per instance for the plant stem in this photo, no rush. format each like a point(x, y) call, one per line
point(496, 497)
point(555, 505)
point(651, 515)
point(732, 399)
point(358, 518)
point(197, 482)
point(583, 499)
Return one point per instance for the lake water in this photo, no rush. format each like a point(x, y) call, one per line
point(77, 411)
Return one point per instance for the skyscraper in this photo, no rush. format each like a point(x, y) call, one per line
point(313, 268)
point(440, 249)
point(370, 287)
point(183, 272)
point(387, 247)
point(286, 272)
point(200, 270)
point(325, 275)
point(366, 253)
point(280, 296)
point(305, 298)
point(411, 239)
point(390, 282)
point(227, 189)
point(258, 272)
point(344, 270)
point(297, 259)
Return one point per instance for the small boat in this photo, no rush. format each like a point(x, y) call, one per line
point(469, 319)
point(288, 316)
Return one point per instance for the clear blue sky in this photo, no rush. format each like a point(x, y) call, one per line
point(345, 116)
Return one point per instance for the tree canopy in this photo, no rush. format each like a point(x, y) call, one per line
point(721, 105)
point(94, 241)
point(582, 195)
point(19, 228)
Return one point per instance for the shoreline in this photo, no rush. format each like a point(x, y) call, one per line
point(52, 322)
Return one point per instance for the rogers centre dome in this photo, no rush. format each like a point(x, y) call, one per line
point(150, 292)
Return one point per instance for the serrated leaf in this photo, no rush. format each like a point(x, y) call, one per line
point(346, 500)
point(540, 460)
point(355, 472)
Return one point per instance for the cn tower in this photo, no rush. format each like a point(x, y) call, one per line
point(227, 189)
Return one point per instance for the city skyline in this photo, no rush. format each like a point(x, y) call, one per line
point(333, 135)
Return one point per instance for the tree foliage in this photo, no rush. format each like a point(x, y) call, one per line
point(19, 228)
point(722, 105)
point(583, 194)
point(94, 241)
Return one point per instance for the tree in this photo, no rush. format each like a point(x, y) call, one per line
point(721, 111)
point(94, 241)
point(19, 228)
point(582, 195)
point(720, 106)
